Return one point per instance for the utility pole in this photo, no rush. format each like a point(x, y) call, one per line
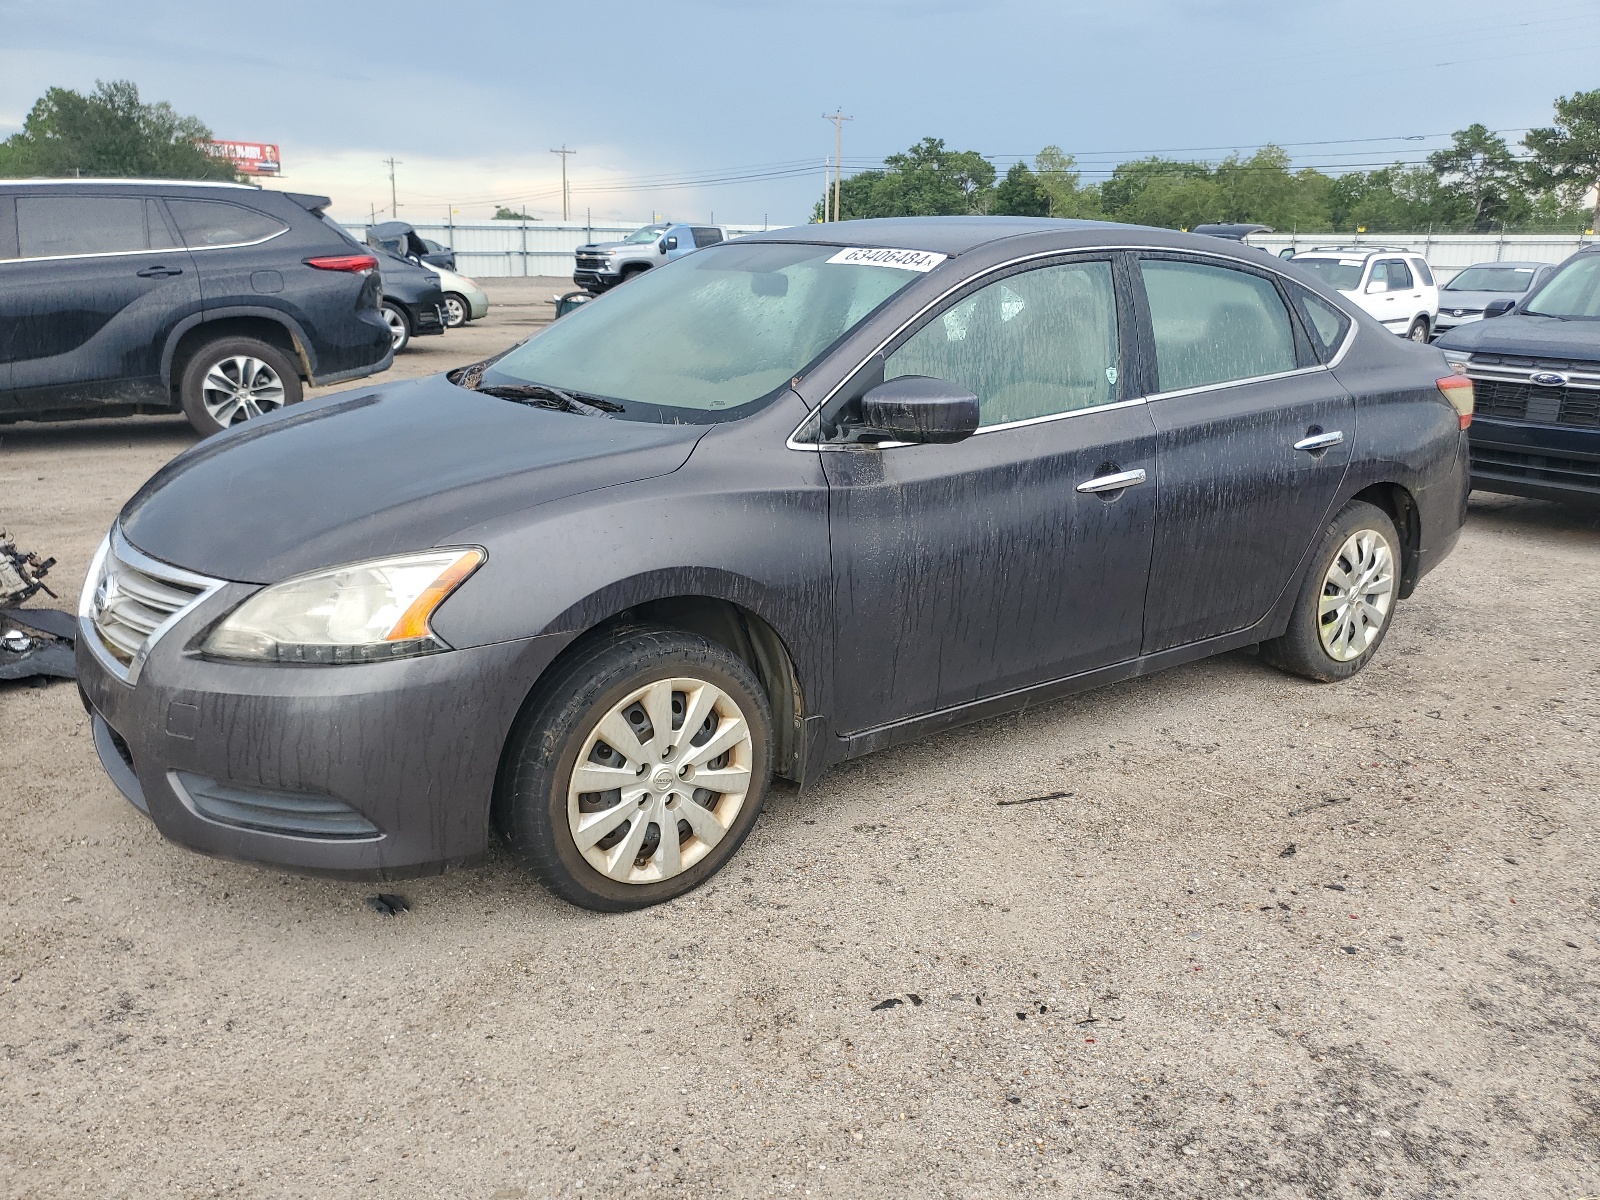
point(566, 196)
point(838, 118)
point(394, 202)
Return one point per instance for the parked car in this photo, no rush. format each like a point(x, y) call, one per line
point(464, 299)
point(570, 301)
point(602, 265)
point(776, 505)
point(401, 238)
point(122, 296)
point(1465, 297)
point(1394, 285)
point(413, 300)
point(1536, 370)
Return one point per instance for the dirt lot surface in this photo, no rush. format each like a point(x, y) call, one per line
point(1212, 933)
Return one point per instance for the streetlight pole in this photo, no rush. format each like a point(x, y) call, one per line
point(566, 196)
point(838, 118)
point(394, 202)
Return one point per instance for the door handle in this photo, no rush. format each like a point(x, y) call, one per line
point(158, 272)
point(1320, 441)
point(1114, 482)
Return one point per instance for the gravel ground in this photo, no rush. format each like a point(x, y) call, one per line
point(1212, 933)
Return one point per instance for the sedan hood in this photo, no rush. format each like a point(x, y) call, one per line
point(377, 472)
point(1530, 337)
point(1472, 302)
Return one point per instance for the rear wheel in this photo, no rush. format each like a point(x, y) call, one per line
point(638, 771)
point(1346, 602)
point(233, 379)
point(1419, 330)
point(457, 312)
point(399, 325)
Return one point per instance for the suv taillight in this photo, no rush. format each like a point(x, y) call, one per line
point(360, 264)
point(1458, 390)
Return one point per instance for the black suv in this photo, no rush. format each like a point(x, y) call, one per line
point(125, 296)
point(1534, 363)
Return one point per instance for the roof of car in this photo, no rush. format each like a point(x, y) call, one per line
point(938, 235)
point(216, 183)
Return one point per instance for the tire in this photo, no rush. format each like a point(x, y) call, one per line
point(399, 325)
point(457, 312)
point(1361, 542)
point(1419, 330)
point(233, 379)
point(609, 684)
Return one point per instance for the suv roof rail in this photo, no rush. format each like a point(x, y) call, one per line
point(1360, 250)
point(123, 182)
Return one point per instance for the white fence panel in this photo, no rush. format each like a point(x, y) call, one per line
point(500, 248)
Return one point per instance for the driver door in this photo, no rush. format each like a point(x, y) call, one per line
point(967, 570)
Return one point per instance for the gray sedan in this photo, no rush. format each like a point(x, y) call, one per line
point(1464, 298)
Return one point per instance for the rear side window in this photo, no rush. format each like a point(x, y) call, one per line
point(706, 237)
point(1327, 324)
point(1423, 273)
point(206, 223)
point(55, 226)
point(1215, 325)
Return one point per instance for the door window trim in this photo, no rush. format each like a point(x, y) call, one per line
point(794, 441)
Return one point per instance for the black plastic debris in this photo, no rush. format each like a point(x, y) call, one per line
point(22, 572)
point(891, 1002)
point(1348, 949)
point(916, 1000)
point(1036, 799)
point(1288, 851)
point(1334, 887)
point(388, 904)
point(37, 644)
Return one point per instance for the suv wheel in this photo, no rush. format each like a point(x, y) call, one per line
point(638, 771)
point(1346, 601)
point(234, 379)
point(457, 312)
point(1419, 330)
point(399, 325)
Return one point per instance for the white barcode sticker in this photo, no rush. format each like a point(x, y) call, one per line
point(879, 256)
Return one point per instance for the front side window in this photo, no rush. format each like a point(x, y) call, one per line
point(707, 335)
point(1215, 325)
point(205, 223)
point(1379, 280)
point(1031, 345)
point(53, 226)
point(1572, 293)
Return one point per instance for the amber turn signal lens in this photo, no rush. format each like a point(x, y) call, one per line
point(413, 623)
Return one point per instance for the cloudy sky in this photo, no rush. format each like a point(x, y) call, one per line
point(715, 106)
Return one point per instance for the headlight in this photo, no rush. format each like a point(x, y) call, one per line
point(363, 612)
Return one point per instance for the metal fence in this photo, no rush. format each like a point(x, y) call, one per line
point(499, 248)
point(1446, 253)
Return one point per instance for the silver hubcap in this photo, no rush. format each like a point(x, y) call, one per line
point(397, 327)
point(660, 780)
point(240, 387)
point(455, 313)
point(1419, 332)
point(1357, 593)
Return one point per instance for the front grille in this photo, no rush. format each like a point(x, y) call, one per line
point(1502, 387)
point(292, 814)
point(587, 262)
point(132, 599)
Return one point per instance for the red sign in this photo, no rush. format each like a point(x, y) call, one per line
point(248, 158)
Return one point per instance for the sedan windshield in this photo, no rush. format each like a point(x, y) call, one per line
point(648, 234)
point(1572, 292)
point(702, 338)
point(1514, 280)
point(1341, 274)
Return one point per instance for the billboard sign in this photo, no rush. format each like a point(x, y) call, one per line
point(248, 158)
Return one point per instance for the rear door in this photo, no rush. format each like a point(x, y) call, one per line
point(238, 251)
point(98, 281)
point(1394, 305)
point(1253, 438)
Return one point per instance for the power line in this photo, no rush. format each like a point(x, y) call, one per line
point(838, 118)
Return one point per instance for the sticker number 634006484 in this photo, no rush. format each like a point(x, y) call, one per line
point(881, 256)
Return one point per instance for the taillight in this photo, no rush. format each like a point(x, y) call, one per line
point(1458, 390)
point(360, 264)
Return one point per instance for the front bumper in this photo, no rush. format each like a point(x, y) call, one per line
point(595, 281)
point(407, 751)
point(427, 319)
point(1546, 462)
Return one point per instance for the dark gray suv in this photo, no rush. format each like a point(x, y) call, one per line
point(124, 296)
point(780, 503)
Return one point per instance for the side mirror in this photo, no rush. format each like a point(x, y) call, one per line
point(1498, 308)
point(1286, 252)
point(670, 243)
point(920, 408)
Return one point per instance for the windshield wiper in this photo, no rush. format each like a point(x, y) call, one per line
point(543, 395)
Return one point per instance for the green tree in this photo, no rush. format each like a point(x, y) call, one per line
point(109, 132)
point(1566, 155)
point(1261, 190)
point(1121, 194)
point(1479, 166)
point(1058, 178)
point(506, 214)
point(926, 180)
point(1020, 194)
point(1395, 199)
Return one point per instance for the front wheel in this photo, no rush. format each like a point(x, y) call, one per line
point(233, 379)
point(399, 326)
point(1419, 330)
point(457, 312)
point(1346, 601)
point(638, 770)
